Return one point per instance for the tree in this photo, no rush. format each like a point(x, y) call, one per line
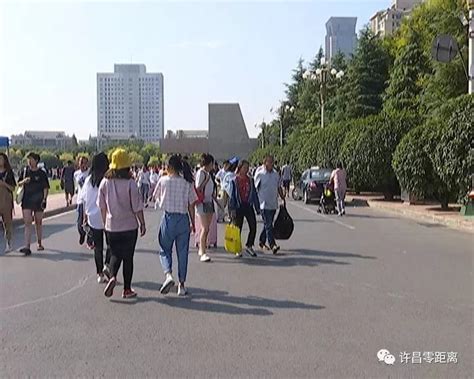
point(453, 157)
point(74, 141)
point(135, 158)
point(363, 87)
point(407, 78)
point(50, 160)
point(65, 157)
point(154, 161)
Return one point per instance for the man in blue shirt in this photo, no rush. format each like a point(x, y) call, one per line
point(268, 184)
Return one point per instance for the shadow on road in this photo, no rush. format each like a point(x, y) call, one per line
point(53, 255)
point(219, 302)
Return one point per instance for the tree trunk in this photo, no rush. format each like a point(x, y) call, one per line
point(444, 204)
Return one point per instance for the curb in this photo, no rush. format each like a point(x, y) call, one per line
point(52, 212)
point(460, 225)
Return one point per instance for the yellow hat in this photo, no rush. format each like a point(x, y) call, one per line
point(120, 159)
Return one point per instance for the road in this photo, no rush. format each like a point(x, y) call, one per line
point(341, 290)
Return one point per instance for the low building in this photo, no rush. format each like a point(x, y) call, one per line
point(43, 140)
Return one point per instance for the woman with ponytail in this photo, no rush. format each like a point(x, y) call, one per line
point(175, 195)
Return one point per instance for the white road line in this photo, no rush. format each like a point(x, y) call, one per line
point(81, 284)
point(323, 216)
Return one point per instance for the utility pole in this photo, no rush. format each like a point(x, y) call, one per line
point(470, 6)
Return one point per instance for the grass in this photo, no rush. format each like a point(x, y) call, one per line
point(55, 187)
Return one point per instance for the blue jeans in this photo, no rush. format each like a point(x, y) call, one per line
point(174, 229)
point(268, 215)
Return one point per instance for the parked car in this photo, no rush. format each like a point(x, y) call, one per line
point(310, 187)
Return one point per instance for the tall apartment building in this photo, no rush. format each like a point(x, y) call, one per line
point(340, 36)
point(130, 104)
point(387, 21)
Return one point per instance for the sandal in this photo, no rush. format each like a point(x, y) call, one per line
point(40, 248)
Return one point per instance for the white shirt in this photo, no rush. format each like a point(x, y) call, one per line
point(143, 177)
point(220, 175)
point(267, 184)
point(88, 197)
point(80, 179)
point(154, 177)
point(209, 188)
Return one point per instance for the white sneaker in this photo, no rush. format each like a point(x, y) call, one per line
point(168, 283)
point(101, 279)
point(182, 290)
point(8, 249)
point(205, 258)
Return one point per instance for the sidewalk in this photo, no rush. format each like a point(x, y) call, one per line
point(430, 213)
point(56, 204)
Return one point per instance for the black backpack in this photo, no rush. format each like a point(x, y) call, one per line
point(284, 226)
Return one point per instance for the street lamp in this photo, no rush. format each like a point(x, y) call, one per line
point(282, 111)
point(323, 75)
point(262, 126)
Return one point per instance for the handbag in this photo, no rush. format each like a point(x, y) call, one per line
point(20, 192)
point(232, 242)
point(284, 225)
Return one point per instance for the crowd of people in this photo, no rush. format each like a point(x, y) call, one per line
point(112, 196)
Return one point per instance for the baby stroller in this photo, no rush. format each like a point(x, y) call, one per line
point(327, 204)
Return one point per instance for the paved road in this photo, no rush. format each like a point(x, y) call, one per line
point(342, 289)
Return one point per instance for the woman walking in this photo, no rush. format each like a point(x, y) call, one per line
point(7, 186)
point(122, 214)
point(338, 180)
point(36, 187)
point(93, 217)
point(176, 197)
point(243, 201)
point(205, 208)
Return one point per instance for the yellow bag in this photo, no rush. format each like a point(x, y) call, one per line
point(232, 241)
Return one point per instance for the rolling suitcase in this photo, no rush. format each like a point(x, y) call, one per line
point(211, 237)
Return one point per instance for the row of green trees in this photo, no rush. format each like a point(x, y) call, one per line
point(396, 119)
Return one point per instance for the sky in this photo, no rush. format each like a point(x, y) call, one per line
point(221, 51)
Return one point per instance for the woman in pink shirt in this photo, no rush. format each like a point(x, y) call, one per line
point(122, 212)
point(338, 179)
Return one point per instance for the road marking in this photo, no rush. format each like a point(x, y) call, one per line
point(81, 284)
point(324, 216)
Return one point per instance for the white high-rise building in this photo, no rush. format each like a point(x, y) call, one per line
point(340, 37)
point(130, 104)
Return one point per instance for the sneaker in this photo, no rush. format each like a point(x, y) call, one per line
point(101, 278)
point(109, 288)
point(343, 212)
point(128, 294)
point(82, 239)
point(169, 282)
point(40, 248)
point(238, 255)
point(106, 272)
point(250, 251)
point(263, 246)
point(275, 249)
point(182, 290)
point(205, 258)
point(26, 251)
point(8, 249)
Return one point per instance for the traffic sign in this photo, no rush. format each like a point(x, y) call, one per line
point(444, 48)
point(4, 142)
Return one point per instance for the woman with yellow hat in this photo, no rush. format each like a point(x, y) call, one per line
point(122, 212)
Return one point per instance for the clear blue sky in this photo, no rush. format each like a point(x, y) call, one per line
point(207, 51)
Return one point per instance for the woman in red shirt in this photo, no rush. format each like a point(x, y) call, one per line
point(244, 203)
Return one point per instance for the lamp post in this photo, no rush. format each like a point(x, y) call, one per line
point(323, 75)
point(284, 110)
point(262, 126)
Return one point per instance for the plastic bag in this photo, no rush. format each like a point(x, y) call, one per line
point(284, 226)
point(232, 242)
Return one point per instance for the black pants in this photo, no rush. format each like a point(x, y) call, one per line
point(98, 238)
point(249, 214)
point(122, 247)
point(80, 222)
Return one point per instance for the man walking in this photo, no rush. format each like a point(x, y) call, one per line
point(287, 175)
point(267, 183)
point(80, 177)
